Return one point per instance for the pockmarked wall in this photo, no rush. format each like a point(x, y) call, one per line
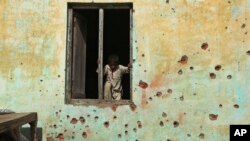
point(193, 54)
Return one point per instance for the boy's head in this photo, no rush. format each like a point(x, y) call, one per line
point(113, 61)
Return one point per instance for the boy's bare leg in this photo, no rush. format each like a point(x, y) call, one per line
point(107, 91)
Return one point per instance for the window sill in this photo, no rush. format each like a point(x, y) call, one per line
point(98, 102)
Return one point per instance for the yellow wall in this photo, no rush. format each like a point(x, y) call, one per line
point(32, 76)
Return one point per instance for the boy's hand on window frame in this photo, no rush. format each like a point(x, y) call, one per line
point(129, 65)
point(98, 61)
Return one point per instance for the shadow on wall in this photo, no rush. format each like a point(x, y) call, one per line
point(26, 133)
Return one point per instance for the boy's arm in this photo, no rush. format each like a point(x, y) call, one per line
point(126, 69)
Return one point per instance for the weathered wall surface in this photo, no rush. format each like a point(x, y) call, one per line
point(194, 55)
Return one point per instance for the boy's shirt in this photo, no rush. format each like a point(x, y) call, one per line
point(115, 77)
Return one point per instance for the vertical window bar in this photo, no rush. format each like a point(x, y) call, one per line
point(100, 55)
point(131, 50)
point(69, 56)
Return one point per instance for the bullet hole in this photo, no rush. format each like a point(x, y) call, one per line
point(143, 84)
point(82, 120)
point(236, 106)
point(182, 98)
point(188, 135)
point(73, 137)
point(114, 117)
point(245, 33)
point(150, 98)
point(180, 72)
point(173, 10)
point(176, 124)
point(119, 135)
point(106, 124)
point(88, 115)
point(96, 118)
point(243, 25)
point(41, 80)
point(212, 75)
point(114, 107)
point(73, 121)
point(54, 126)
point(21, 63)
point(194, 93)
point(134, 129)
point(204, 46)
point(201, 135)
point(143, 55)
point(68, 116)
point(159, 94)
point(132, 107)
point(167, 1)
point(126, 132)
point(191, 68)
point(220, 105)
point(217, 67)
point(126, 125)
point(84, 135)
point(56, 113)
point(229, 77)
point(65, 130)
point(161, 123)
point(139, 124)
point(229, 2)
point(226, 27)
point(40, 90)
point(170, 91)
point(58, 76)
point(60, 136)
point(248, 52)
point(184, 59)
point(164, 114)
point(213, 117)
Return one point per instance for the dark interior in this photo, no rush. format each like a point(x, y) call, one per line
point(116, 41)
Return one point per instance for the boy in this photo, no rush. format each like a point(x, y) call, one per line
point(113, 72)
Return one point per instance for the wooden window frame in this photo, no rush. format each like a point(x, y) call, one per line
point(69, 39)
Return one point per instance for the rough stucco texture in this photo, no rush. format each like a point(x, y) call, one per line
point(193, 54)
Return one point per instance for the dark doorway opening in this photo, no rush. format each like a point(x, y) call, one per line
point(116, 40)
point(91, 17)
